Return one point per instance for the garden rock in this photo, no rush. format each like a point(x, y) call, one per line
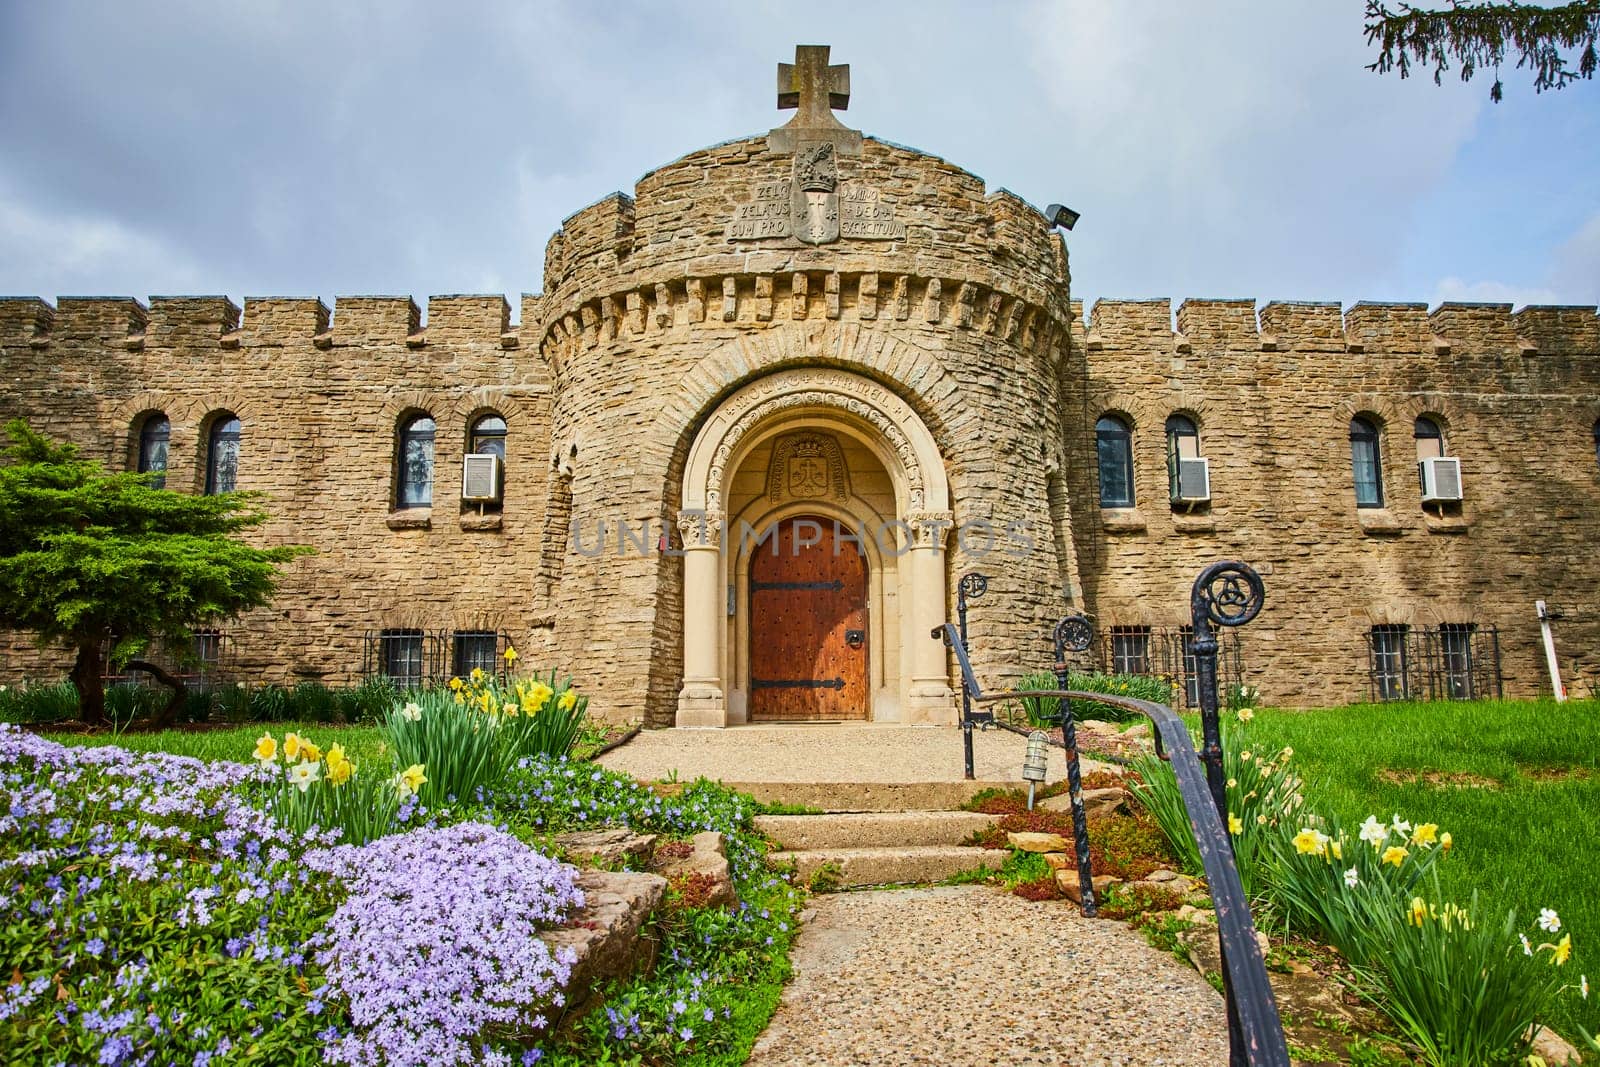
point(1057, 861)
point(1067, 882)
point(614, 847)
point(1554, 1049)
point(1191, 914)
point(1204, 950)
point(709, 859)
point(1037, 842)
point(606, 932)
point(1097, 803)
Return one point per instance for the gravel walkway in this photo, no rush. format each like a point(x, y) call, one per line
point(960, 975)
point(826, 753)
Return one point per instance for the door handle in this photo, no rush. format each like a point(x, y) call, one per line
point(855, 638)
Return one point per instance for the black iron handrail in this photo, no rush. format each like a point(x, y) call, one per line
point(1261, 1041)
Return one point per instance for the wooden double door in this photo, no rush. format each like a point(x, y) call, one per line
point(808, 624)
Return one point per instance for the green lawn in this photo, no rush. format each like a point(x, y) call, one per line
point(1517, 784)
point(361, 743)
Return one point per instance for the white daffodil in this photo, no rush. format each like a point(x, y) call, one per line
point(1549, 921)
point(1374, 832)
point(411, 712)
point(1351, 877)
point(301, 775)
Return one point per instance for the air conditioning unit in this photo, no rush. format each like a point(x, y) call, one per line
point(1194, 481)
point(1441, 480)
point(480, 478)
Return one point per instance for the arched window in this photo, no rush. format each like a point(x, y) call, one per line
point(222, 454)
point(1183, 442)
point(416, 463)
point(1114, 445)
point(488, 437)
point(1365, 462)
point(153, 438)
point(1430, 444)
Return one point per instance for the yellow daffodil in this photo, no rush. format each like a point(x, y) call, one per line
point(477, 674)
point(339, 771)
point(568, 701)
point(309, 752)
point(1394, 854)
point(460, 700)
point(336, 754)
point(455, 684)
point(1446, 841)
point(1337, 850)
point(508, 708)
point(539, 694)
point(413, 776)
point(1235, 827)
point(1245, 714)
point(291, 745)
point(510, 655)
point(1311, 842)
point(1425, 834)
point(302, 775)
point(1419, 911)
point(1561, 951)
point(266, 748)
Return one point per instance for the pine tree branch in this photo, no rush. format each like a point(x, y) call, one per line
point(1478, 35)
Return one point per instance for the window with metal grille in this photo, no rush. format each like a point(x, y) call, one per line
point(208, 649)
point(222, 454)
point(1114, 448)
point(1456, 660)
point(154, 435)
point(1387, 645)
point(1191, 667)
point(1130, 650)
point(1365, 462)
point(475, 649)
point(415, 489)
point(400, 656)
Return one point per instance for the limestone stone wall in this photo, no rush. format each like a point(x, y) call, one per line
point(1517, 396)
point(658, 306)
point(653, 315)
point(320, 399)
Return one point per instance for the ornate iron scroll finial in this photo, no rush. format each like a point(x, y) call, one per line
point(1073, 634)
point(974, 585)
point(1228, 593)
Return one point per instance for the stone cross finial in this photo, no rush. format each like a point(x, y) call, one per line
point(814, 89)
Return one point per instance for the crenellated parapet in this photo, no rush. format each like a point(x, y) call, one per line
point(201, 322)
point(721, 236)
point(1396, 328)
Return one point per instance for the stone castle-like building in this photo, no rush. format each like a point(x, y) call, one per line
point(858, 351)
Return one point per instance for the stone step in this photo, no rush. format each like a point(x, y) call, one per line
point(891, 866)
point(869, 796)
point(872, 829)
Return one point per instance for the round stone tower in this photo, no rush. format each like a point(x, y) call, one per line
point(801, 383)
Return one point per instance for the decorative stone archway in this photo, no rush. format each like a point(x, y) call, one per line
point(861, 411)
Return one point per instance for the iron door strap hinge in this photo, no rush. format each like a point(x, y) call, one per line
point(797, 683)
point(836, 585)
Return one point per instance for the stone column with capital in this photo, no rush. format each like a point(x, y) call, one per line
point(931, 700)
point(701, 700)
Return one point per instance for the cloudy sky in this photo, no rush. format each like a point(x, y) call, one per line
point(1214, 149)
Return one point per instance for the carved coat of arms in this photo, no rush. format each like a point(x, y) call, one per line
point(814, 211)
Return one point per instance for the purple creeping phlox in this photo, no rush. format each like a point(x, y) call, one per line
point(437, 944)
